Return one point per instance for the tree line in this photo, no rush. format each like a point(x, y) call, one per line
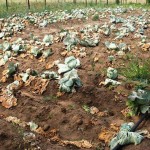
point(74, 1)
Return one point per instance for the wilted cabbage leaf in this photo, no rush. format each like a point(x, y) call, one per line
point(47, 53)
point(6, 46)
point(139, 101)
point(5, 58)
point(70, 63)
point(114, 19)
point(48, 39)
point(111, 82)
point(2, 34)
point(25, 76)
point(123, 47)
point(17, 48)
point(125, 136)
point(44, 23)
point(12, 68)
point(111, 46)
point(69, 81)
point(33, 126)
point(70, 41)
point(49, 75)
point(112, 73)
point(36, 51)
point(89, 42)
point(111, 58)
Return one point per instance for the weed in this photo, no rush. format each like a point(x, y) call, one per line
point(138, 70)
point(50, 98)
point(129, 56)
point(71, 107)
point(86, 108)
point(50, 116)
point(95, 17)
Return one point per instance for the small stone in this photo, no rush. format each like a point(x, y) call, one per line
point(79, 122)
point(46, 127)
point(63, 110)
point(94, 110)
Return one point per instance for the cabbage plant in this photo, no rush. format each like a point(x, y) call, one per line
point(70, 63)
point(69, 81)
point(125, 136)
point(112, 73)
point(139, 102)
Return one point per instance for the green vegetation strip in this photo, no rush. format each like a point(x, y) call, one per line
point(21, 8)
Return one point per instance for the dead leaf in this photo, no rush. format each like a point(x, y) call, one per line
point(8, 101)
point(31, 78)
point(41, 59)
point(49, 65)
point(7, 97)
point(59, 94)
point(102, 114)
point(146, 47)
point(4, 76)
point(16, 121)
point(64, 53)
point(39, 130)
point(94, 110)
point(23, 55)
point(114, 127)
point(80, 144)
point(3, 79)
point(41, 85)
point(126, 111)
point(96, 59)
point(106, 135)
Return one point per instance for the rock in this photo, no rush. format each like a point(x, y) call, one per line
point(46, 127)
point(79, 122)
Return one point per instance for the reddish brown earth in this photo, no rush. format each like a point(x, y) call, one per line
point(65, 113)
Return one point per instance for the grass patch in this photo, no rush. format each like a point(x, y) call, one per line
point(50, 98)
point(95, 17)
point(21, 8)
point(138, 70)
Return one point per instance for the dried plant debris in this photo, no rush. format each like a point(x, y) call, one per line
point(145, 47)
point(70, 81)
point(29, 71)
point(125, 136)
point(107, 134)
point(37, 85)
point(139, 102)
point(79, 144)
point(9, 72)
point(7, 97)
point(33, 126)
